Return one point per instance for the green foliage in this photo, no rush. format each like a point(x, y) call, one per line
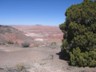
point(83, 59)
point(80, 34)
point(62, 27)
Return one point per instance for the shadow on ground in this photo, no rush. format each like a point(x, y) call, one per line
point(63, 56)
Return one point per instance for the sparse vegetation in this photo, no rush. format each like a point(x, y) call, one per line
point(21, 67)
point(79, 43)
point(25, 44)
point(17, 68)
point(53, 44)
point(10, 42)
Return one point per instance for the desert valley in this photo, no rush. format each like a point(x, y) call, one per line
point(47, 35)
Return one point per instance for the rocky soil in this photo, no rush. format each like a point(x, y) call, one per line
point(37, 59)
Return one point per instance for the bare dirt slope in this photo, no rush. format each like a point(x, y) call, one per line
point(10, 35)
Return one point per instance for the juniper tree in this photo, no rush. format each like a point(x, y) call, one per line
point(79, 40)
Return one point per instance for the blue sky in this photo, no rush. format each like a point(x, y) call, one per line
point(31, 12)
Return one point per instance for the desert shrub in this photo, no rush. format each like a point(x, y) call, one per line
point(25, 44)
point(79, 40)
point(20, 67)
point(10, 42)
point(17, 68)
point(53, 45)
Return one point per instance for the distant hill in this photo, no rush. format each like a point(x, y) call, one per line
point(10, 35)
point(42, 35)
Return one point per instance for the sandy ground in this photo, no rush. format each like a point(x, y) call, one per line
point(42, 59)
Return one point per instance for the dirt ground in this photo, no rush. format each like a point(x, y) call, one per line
point(39, 59)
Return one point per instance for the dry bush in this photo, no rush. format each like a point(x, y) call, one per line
point(17, 68)
point(26, 44)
